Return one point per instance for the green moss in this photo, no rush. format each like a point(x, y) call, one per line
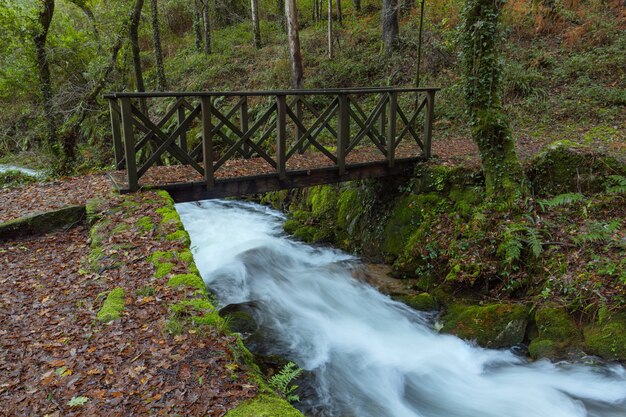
point(305, 233)
point(157, 257)
point(557, 334)
point(187, 280)
point(120, 228)
point(194, 305)
point(163, 269)
point(542, 348)
point(265, 405)
point(181, 236)
point(405, 218)
point(493, 326)
point(94, 209)
point(568, 167)
point(113, 306)
point(290, 226)
point(421, 302)
point(607, 340)
point(145, 223)
point(322, 200)
point(276, 199)
point(187, 257)
point(15, 178)
point(169, 215)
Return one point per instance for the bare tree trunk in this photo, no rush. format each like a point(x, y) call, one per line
point(158, 51)
point(133, 35)
point(339, 12)
point(207, 26)
point(44, 18)
point(330, 29)
point(294, 44)
point(197, 24)
point(391, 29)
point(357, 6)
point(256, 28)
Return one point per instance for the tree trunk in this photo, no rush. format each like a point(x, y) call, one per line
point(339, 12)
point(133, 34)
point(480, 39)
point(256, 28)
point(406, 5)
point(294, 43)
point(207, 26)
point(158, 52)
point(357, 6)
point(330, 29)
point(197, 25)
point(44, 18)
point(390, 28)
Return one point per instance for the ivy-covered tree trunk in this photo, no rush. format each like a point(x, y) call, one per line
point(481, 40)
point(256, 28)
point(44, 19)
point(158, 51)
point(133, 34)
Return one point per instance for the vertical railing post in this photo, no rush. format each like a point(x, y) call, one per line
point(207, 142)
point(343, 134)
point(129, 144)
point(183, 133)
point(118, 147)
point(281, 137)
point(299, 114)
point(244, 125)
point(391, 128)
point(428, 122)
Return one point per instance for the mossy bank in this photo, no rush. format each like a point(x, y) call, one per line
point(551, 259)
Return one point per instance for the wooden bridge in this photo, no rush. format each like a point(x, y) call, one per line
point(217, 144)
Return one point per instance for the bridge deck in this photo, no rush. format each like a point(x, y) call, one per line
point(204, 145)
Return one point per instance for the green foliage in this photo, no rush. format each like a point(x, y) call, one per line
point(561, 200)
point(77, 401)
point(616, 184)
point(15, 178)
point(281, 382)
point(516, 237)
point(596, 232)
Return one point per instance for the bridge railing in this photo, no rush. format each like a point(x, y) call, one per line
point(204, 130)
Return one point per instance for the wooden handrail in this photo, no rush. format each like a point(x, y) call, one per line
point(296, 124)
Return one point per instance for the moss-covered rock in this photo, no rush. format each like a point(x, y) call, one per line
point(557, 334)
point(265, 405)
point(421, 302)
point(493, 326)
point(181, 236)
point(568, 167)
point(322, 200)
point(40, 223)
point(163, 269)
point(145, 223)
point(95, 210)
point(608, 339)
point(113, 306)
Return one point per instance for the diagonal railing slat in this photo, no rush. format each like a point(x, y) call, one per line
point(205, 130)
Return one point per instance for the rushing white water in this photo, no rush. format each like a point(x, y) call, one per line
point(27, 171)
point(371, 356)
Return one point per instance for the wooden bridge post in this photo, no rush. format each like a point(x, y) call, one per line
point(428, 121)
point(343, 136)
point(118, 147)
point(129, 144)
point(207, 141)
point(383, 120)
point(183, 133)
point(281, 137)
point(300, 130)
point(391, 128)
point(244, 125)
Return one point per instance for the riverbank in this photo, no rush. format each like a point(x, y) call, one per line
point(546, 272)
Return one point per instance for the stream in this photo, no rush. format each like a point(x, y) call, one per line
point(368, 355)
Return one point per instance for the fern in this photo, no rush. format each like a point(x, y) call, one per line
point(281, 382)
point(561, 200)
point(533, 241)
point(598, 232)
point(616, 184)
